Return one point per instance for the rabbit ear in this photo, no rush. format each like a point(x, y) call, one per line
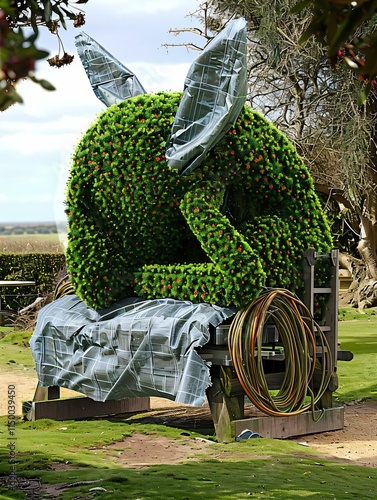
point(215, 93)
point(111, 81)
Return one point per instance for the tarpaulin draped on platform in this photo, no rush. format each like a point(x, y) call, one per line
point(139, 348)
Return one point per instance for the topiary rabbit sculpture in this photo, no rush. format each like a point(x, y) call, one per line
point(239, 222)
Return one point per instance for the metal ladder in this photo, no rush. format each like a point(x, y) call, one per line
point(330, 326)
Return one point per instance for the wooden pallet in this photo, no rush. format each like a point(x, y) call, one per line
point(47, 404)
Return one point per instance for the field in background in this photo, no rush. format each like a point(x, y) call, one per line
point(32, 238)
point(31, 243)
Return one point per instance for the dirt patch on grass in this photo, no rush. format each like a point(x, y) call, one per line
point(356, 442)
point(141, 450)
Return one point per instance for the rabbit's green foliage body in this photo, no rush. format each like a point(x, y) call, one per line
point(238, 222)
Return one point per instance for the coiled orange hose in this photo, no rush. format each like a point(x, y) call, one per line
point(298, 334)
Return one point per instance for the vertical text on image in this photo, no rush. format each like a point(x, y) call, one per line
point(12, 418)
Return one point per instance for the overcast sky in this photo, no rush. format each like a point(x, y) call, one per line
point(38, 137)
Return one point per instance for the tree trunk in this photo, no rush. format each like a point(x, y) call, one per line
point(367, 245)
point(368, 217)
point(362, 292)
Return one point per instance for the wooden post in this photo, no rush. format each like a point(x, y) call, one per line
point(226, 401)
point(53, 392)
point(43, 393)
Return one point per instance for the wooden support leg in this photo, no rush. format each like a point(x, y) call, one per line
point(53, 392)
point(43, 393)
point(225, 407)
point(326, 400)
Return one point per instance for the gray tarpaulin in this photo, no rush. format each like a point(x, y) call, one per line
point(214, 94)
point(111, 81)
point(139, 348)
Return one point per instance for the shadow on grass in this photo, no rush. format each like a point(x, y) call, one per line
point(276, 477)
point(366, 393)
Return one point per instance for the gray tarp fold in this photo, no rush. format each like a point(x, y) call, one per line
point(214, 94)
point(138, 348)
point(111, 81)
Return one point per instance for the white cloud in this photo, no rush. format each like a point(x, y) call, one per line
point(128, 7)
point(38, 138)
point(73, 94)
point(34, 199)
point(159, 77)
point(37, 143)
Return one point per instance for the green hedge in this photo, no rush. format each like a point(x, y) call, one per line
point(240, 221)
point(43, 268)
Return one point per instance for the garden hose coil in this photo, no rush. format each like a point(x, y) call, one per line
point(299, 334)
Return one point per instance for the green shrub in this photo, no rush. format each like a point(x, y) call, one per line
point(238, 222)
point(38, 267)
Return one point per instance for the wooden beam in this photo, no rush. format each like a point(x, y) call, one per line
point(331, 419)
point(83, 407)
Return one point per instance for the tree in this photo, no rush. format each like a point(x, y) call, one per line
point(18, 50)
point(313, 103)
point(344, 27)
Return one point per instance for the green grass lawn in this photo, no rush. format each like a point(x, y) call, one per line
point(282, 469)
point(15, 350)
point(358, 378)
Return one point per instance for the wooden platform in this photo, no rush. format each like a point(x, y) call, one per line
point(226, 396)
point(191, 418)
point(47, 404)
point(81, 408)
point(228, 416)
point(329, 419)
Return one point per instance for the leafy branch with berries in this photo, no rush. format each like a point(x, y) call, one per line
point(18, 52)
